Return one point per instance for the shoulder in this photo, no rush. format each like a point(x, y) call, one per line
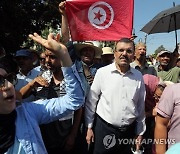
point(133, 64)
point(173, 87)
point(176, 69)
point(107, 68)
point(136, 72)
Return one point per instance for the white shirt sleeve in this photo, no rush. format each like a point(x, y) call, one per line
point(141, 126)
point(92, 101)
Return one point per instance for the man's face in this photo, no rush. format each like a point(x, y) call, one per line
point(7, 95)
point(87, 55)
point(42, 59)
point(25, 63)
point(52, 61)
point(124, 54)
point(140, 52)
point(157, 94)
point(164, 59)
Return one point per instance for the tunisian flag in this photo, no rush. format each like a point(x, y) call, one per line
point(100, 20)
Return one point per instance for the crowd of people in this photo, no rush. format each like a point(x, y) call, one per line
point(81, 98)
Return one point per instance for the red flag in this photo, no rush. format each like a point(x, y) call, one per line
point(100, 20)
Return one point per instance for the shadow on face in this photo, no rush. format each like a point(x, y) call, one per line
point(7, 94)
point(164, 59)
point(87, 55)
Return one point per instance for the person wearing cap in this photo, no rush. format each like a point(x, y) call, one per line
point(165, 70)
point(114, 108)
point(107, 56)
point(27, 72)
point(140, 62)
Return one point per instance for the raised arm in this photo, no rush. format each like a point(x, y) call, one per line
point(46, 111)
point(64, 23)
point(58, 48)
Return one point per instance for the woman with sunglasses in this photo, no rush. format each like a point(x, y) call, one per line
point(19, 127)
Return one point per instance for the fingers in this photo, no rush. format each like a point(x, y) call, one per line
point(88, 139)
point(62, 7)
point(92, 138)
point(37, 38)
point(58, 36)
point(50, 36)
point(42, 41)
point(41, 81)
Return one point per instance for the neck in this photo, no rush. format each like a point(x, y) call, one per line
point(88, 64)
point(58, 77)
point(122, 69)
point(163, 67)
point(25, 72)
point(140, 62)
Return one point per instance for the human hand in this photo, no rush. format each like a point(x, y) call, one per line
point(138, 142)
point(51, 43)
point(89, 136)
point(56, 47)
point(39, 82)
point(62, 8)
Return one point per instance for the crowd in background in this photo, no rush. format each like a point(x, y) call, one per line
point(127, 94)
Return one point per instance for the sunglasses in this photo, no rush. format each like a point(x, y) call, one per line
point(42, 59)
point(9, 77)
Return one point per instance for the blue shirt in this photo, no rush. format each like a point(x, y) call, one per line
point(31, 115)
point(174, 149)
point(93, 69)
point(23, 80)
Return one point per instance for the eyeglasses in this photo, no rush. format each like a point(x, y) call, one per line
point(9, 77)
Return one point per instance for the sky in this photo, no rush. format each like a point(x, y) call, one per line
point(144, 11)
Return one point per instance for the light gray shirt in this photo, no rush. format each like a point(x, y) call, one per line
point(117, 98)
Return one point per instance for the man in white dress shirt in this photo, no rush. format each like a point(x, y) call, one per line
point(114, 109)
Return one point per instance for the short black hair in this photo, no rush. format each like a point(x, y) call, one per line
point(126, 40)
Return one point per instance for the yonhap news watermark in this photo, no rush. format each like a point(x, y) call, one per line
point(110, 140)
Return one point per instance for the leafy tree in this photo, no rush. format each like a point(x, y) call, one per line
point(160, 48)
point(22, 17)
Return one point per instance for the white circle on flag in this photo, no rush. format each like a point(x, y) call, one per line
point(101, 15)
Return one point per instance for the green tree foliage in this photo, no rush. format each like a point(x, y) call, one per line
point(160, 48)
point(22, 17)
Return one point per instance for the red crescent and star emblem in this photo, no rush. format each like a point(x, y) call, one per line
point(101, 15)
